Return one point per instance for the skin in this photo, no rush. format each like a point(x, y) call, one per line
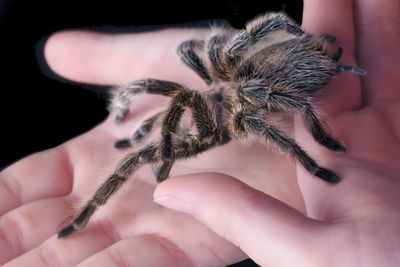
point(273, 212)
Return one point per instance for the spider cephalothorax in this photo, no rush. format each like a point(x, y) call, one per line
point(271, 66)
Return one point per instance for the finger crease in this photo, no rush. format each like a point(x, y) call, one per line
point(109, 230)
point(69, 171)
point(179, 255)
point(48, 256)
point(116, 257)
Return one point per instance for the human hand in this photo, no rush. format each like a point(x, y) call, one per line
point(354, 223)
point(39, 192)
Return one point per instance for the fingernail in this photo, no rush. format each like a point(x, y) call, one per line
point(173, 203)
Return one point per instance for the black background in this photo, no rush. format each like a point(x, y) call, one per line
point(39, 110)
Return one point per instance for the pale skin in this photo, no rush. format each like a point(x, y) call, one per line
point(292, 219)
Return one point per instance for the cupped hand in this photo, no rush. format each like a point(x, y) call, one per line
point(350, 224)
point(356, 222)
point(41, 191)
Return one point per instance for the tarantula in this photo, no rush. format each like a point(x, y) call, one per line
point(270, 66)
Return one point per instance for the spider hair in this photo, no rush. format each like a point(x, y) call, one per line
point(271, 66)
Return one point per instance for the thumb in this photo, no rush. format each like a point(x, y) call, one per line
point(269, 231)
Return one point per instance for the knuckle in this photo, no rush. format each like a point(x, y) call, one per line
point(11, 188)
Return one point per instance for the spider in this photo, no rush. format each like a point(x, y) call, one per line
point(270, 66)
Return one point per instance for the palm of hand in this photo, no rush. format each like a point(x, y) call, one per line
point(130, 217)
point(132, 220)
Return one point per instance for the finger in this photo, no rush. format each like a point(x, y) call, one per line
point(119, 58)
point(264, 228)
point(42, 175)
point(26, 227)
point(70, 251)
point(378, 38)
point(147, 250)
point(335, 17)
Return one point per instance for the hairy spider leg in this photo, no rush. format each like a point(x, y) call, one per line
point(181, 98)
point(169, 127)
point(124, 95)
point(214, 52)
point(260, 28)
point(187, 53)
point(317, 131)
point(245, 121)
point(214, 46)
point(336, 57)
point(328, 38)
point(310, 118)
point(140, 134)
point(204, 119)
point(149, 154)
point(110, 186)
point(348, 68)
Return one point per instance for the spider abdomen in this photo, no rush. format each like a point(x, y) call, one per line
point(294, 67)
